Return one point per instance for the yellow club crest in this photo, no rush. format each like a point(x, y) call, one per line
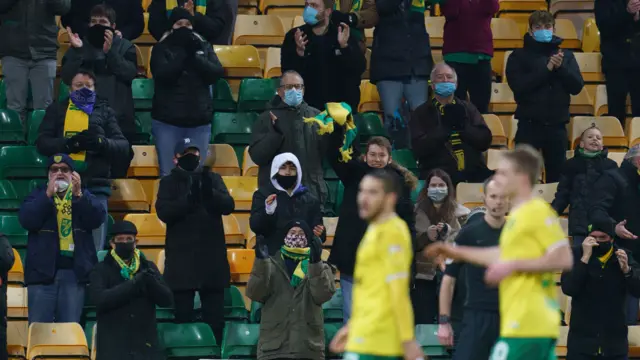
point(57, 158)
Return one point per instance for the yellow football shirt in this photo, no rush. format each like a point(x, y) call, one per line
point(528, 306)
point(381, 282)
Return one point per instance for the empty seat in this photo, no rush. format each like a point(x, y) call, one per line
point(275, 7)
point(634, 341)
point(332, 309)
point(505, 33)
point(191, 340)
point(415, 193)
point(546, 191)
point(232, 128)
point(22, 162)
point(369, 98)
point(493, 158)
point(498, 136)
point(561, 344)
point(16, 273)
point(142, 90)
point(239, 61)
point(34, 120)
point(240, 263)
point(405, 158)
point(234, 306)
point(59, 340)
point(143, 123)
point(226, 161)
point(612, 133)
point(470, 194)
point(255, 94)
point(601, 107)
point(232, 232)
point(369, 125)
point(127, 195)
point(12, 229)
point(160, 261)
point(634, 132)
point(154, 198)
point(272, 66)
point(258, 30)
point(427, 337)
point(241, 189)
point(590, 36)
point(17, 303)
point(9, 199)
point(249, 168)
point(330, 225)
point(10, 127)
point(566, 30)
point(144, 162)
point(435, 29)
point(618, 157)
point(151, 230)
point(502, 100)
point(17, 339)
point(241, 341)
point(223, 97)
point(590, 66)
point(581, 104)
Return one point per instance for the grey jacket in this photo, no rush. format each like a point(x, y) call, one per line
point(291, 325)
point(28, 28)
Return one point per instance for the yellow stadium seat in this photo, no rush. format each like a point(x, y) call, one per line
point(249, 168)
point(470, 194)
point(63, 36)
point(239, 61)
point(324, 256)
point(16, 273)
point(62, 49)
point(493, 158)
point(437, 56)
point(566, 30)
point(243, 220)
point(570, 154)
point(17, 302)
point(140, 62)
point(148, 61)
point(56, 340)
point(618, 157)
point(368, 34)
point(369, 97)
point(590, 36)
point(634, 131)
point(505, 34)
point(297, 21)
point(145, 4)
point(512, 133)
point(330, 224)
point(581, 104)
point(151, 253)
point(612, 133)
point(521, 6)
point(232, 232)
point(601, 106)
point(272, 64)
point(127, 195)
point(435, 28)
point(561, 344)
point(160, 261)
point(151, 230)
point(634, 341)
point(156, 185)
point(144, 162)
point(17, 339)
point(241, 263)
point(241, 189)
point(273, 6)
point(503, 70)
point(94, 334)
point(145, 37)
point(564, 223)
point(590, 66)
point(258, 30)
point(502, 100)
point(498, 136)
point(226, 161)
point(367, 57)
point(546, 191)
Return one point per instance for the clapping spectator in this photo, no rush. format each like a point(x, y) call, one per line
point(292, 297)
point(358, 15)
point(184, 67)
point(129, 13)
point(86, 128)
point(327, 57)
point(212, 19)
point(126, 288)
point(60, 250)
point(449, 133)
point(28, 50)
point(6, 263)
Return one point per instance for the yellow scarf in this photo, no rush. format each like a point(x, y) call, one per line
point(604, 258)
point(127, 271)
point(339, 113)
point(302, 256)
point(418, 6)
point(201, 6)
point(65, 226)
point(454, 138)
point(75, 121)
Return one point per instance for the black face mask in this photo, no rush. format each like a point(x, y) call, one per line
point(95, 35)
point(189, 162)
point(287, 181)
point(602, 248)
point(180, 36)
point(124, 250)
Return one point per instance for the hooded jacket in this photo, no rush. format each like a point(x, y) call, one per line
point(210, 25)
point(270, 221)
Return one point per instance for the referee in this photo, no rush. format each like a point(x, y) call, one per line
point(481, 320)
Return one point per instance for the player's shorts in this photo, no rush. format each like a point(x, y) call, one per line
point(480, 331)
point(356, 356)
point(524, 349)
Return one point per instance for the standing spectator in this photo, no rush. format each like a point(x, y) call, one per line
point(285, 198)
point(210, 18)
point(579, 175)
point(292, 297)
point(598, 285)
point(126, 287)
point(449, 133)
point(129, 14)
point(111, 58)
point(468, 47)
point(88, 130)
point(184, 67)
point(282, 129)
point(28, 50)
point(192, 201)
point(329, 60)
point(6, 263)
point(438, 218)
point(359, 15)
point(619, 29)
point(60, 250)
point(543, 77)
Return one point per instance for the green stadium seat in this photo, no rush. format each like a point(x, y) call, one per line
point(3, 95)
point(34, 120)
point(329, 173)
point(88, 331)
point(110, 222)
point(22, 162)
point(330, 330)
point(63, 91)
point(255, 94)
point(240, 341)
point(9, 199)
point(142, 93)
point(143, 128)
point(332, 309)
point(405, 158)
point(369, 125)
point(25, 186)
point(164, 314)
point(191, 340)
point(232, 128)
point(256, 312)
point(332, 198)
point(102, 254)
point(416, 192)
point(234, 307)
point(427, 337)
point(11, 130)
point(339, 198)
point(11, 227)
point(223, 98)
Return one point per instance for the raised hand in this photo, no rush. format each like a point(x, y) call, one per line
point(301, 42)
point(343, 35)
point(587, 248)
point(76, 183)
point(622, 232)
point(623, 260)
point(74, 39)
point(190, 7)
point(108, 41)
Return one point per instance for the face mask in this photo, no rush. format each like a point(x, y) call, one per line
point(293, 97)
point(84, 99)
point(543, 36)
point(602, 248)
point(180, 36)
point(287, 181)
point(295, 241)
point(189, 162)
point(95, 35)
point(445, 89)
point(310, 15)
point(437, 194)
point(124, 250)
point(62, 185)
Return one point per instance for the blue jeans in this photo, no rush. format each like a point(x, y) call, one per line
point(167, 136)
point(346, 284)
point(59, 302)
point(100, 234)
point(415, 91)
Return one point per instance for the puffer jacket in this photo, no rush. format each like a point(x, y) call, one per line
point(28, 28)
point(617, 28)
point(575, 188)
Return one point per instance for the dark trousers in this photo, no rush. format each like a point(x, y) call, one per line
point(578, 356)
point(424, 297)
point(619, 83)
point(3, 322)
point(212, 309)
point(476, 80)
point(480, 330)
point(551, 141)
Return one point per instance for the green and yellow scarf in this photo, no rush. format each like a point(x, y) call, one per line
point(128, 271)
point(65, 225)
point(418, 6)
point(454, 138)
point(200, 5)
point(339, 113)
point(588, 154)
point(297, 254)
point(75, 122)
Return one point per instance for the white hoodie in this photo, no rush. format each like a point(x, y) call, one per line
point(278, 161)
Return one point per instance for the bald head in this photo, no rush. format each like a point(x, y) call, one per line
point(495, 199)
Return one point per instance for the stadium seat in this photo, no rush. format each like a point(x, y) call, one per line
point(11, 227)
point(612, 133)
point(233, 129)
point(144, 162)
point(232, 232)
point(561, 344)
point(249, 168)
point(154, 198)
point(330, 224)
point(332, 309)
point(255, 94)
point(634, 132)
point(22, 162)
point(243, 220)
point(502, 101)
point(330, 331)
point(142, 90)
point(493, 158)
point(367, 71)
point(101, 255)
point(601, 107)
point(546, 191)
point(143, 122)
point(241, 263)
point(369, 98)
point(34, 119)
point(470, 194)
point(127, 195)
point(3, 94)
point(223, 97)
point(278, 7)
point(255, 313)
point(239, 61)
point(564, 223)
point(234, 305)
point(505, 34)
point(17, 303)
point(226, 162)
point(240, 341)
point(498, 136)
point(590, 66)
point(56, 340)
point(258, 30)
point(590, 36)
point(415, 193)
point(16, 273)
point(9, 199)
point(369, 125)
point(618, 157)
point(567, 31)
point(17, 339)
point(435, 29)
point(191, 340)
point(242, 189)
point(272, 66)
point(581, 104)
point(91, 338)
point(160, 261)
point(151, 230)
point(10, 127)
point(634, 341)
point(405, 158)
point(427, 337)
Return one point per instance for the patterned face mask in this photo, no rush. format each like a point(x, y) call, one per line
point(295, 241)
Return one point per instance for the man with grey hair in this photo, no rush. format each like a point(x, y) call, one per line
point(281, 129)
point(450, 133)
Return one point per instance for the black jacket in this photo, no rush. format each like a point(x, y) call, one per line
point(401, 46)
point(598, 298)
point(192, 206)
point(616, 27)
point(183, 82)
point(579, 174)
point(129, 18)
point(6, 262)
point(99, 165)
point(126, 310)
point(209, 25)
point(542, 96)
point(330, 73)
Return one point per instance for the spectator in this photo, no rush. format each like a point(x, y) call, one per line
point(28, 50)
point(6, 263)
point(615, 199)
point(285, 198)
point(329, 60)
point(192, 201)
point(184, 67)
point(468, 47)
point(210, 18)
point(292, 298)
point(129, 14)
point(60, 250)
point(449, 133)
point(579, 174)
point(87, 129)
point(438, 218)
point(619, 28)
point(351, 227)
point(598, 285)
point(126, 287)
point(543, 77)
point(111, 58)
point(282, 129)
point(359, 15)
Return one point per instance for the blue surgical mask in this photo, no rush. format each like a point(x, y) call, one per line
point(445, 89)
point(438, 194)
point(543, 36)
point(293, 97)
point(310, 15)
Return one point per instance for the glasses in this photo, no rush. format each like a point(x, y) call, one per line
point(55, 170)
point(292, 86)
